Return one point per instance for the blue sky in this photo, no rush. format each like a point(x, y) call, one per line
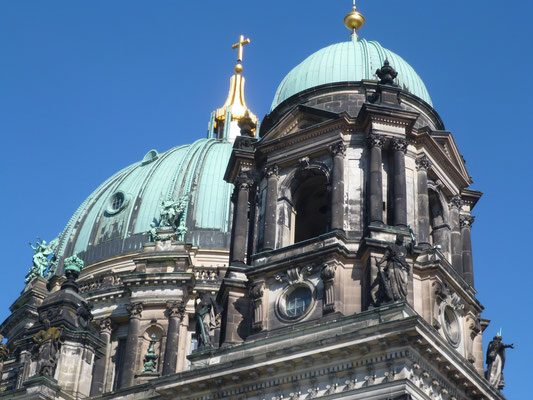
point(87, 88)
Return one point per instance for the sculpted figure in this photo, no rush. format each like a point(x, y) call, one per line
point(41, 261)
point(392, 280)
point(496, 362)
point(46, 348)
point(171, 211)
point(206, 311)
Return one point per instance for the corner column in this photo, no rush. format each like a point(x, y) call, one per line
point(399, 149)
point(100, 365)
point(468, 264)
point(238, 250)
point(175, 312)
point(456, 245)
point(338, 151)
point(423, 165)
point(269, 237)
point(132, 344)
point(375, 180)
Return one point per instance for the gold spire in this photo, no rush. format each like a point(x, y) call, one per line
point(354, 20)
point(235, 102)
point(240, 45)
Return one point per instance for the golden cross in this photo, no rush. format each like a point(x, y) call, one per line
point(239, 46)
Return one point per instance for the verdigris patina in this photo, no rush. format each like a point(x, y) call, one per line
point(74, 264)
point(150, 357)
point(172, 216)
point(43, 260)
point(496, 361)
point(206, 312)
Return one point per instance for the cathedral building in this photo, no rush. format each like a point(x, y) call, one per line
point(324, 252)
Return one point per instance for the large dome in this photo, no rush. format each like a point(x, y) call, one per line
point(114, 219)
point(350, 61)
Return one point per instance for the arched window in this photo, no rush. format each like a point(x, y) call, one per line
point(310, 202)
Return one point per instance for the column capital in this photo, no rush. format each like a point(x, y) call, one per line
point(400, 144)
point(244, 182)
point(175, 309)
point(135, 310)
point(467, 221)
point(272, 171)
point(375, 141)
point(105, 325)
point(423, 163)
point(456, 202)
point(338, 149)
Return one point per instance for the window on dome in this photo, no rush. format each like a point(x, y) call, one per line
point(117, 201)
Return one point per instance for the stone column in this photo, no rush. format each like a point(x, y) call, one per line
point(100, 365)
point(338, 152)
point(455, 224)
point(175, 312)
point(132, 345)
point(399, 149)
point(375, 180)
point(468, 265)
point(269, 236)
point(423, 165)
point(242, 187)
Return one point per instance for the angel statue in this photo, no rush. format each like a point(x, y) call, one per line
point(171, 211)
point(42, 263)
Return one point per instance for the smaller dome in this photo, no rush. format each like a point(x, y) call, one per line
point(350, 61)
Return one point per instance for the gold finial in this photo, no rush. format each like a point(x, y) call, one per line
point(240, 45)
point(354, 20)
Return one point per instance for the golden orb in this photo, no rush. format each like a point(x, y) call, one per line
point(238, 68)
point(354, 20)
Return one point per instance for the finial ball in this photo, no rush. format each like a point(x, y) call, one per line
point(354, 20)
point(238, 68)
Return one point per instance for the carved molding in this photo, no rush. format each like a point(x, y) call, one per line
point(295, 275)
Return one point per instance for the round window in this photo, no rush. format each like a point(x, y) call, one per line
point(451, 326)
point(116, 203)
point(295, 302)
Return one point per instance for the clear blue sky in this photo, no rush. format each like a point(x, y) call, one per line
point(87, 88)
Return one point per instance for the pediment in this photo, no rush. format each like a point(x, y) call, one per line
point(299, 118)
point(447, 143)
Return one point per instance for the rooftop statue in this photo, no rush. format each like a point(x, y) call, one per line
point(392, 281)
point(43, 260)
point(172, 216)
point(74, 264)
point(496, 361)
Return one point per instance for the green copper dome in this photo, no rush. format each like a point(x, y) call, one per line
point(116, 217)
point(350, 61)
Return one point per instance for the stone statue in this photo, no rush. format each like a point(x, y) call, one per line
point(206, 312)
point(42, 263)
point(46, 349)
point(496, 362)
point(392, 280)
point(151, 357)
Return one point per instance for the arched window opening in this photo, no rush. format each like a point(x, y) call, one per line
point(311, 208)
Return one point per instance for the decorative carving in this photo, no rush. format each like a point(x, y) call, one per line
point(423, 163)
point(244, 181)
point(467, 221)
point(176, 309)
point(105, 325)
point(313, 393)
point(4, 351)
point(392, 281)
point(496, 362)
point(295, 275)
point(150, 358)
point(172, 216)
point(256, 295)
point(328, 276)
point(456, 201)
point(206, 312)
point(247, 125)
point(304, 162)
point(44, 259)
point(46, 349)
point(387, 74)
point(135, 310)
point(375, 141)
point(73, 264)
point(350, 384)
point(84, 314)
point(272, 171)
point(338, 149)
point(400, 145)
